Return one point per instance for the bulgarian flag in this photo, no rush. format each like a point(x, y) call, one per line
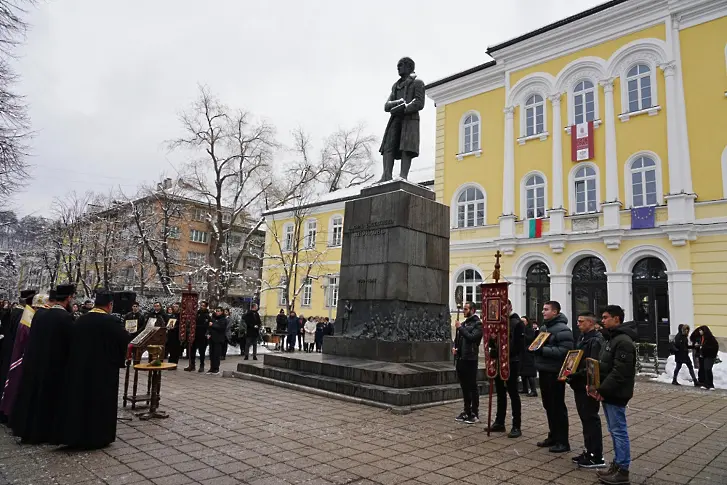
point(535, 228)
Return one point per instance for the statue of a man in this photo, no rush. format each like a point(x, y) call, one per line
point(401, 138)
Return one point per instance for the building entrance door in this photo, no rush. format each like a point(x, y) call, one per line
point(589, 289)
point(537, 290)
point(651, 303)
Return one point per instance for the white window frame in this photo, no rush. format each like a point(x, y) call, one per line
point(473, 285)
point(623, 81)
point(173, 232)
point(197, 236)
point(524, 111)
point(335, 231)
point(628, 184)
point(333, 286)
point(572, 101)
point(572, 188)
point(311, 233)
point(195, 258)
point(454, 207)
point(524, 194)
point(199, 214)
point(283, 295)
point(307, 298)
point(475, 126)
point(288, 236)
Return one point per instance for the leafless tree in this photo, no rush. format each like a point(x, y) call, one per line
point(347, 158)
point(70, 212)
point(14, 121)
point(230, 171)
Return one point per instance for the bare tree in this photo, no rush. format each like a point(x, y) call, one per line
point(347, 158)
point(14, 121)
point(70, 212)
point(230, 173)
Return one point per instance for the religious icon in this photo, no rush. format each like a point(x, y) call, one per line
point(539, 341)
point(570, 364)
point(493, 309)
point(131, 325)
point(593, 377)
point(152, 322)
point(171, 323)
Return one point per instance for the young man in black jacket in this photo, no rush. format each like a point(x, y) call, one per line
point(466, 352)
point(617, 372)
point(216, 337)
point(590, 343)
point(252, 331)
point(199, 344)
point(548, 360)
point(509, 387)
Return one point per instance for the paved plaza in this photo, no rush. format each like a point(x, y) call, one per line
point(226, 431)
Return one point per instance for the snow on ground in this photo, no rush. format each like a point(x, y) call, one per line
point(719, 371)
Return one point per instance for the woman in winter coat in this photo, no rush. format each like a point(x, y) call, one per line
point(680, 348)
point(310, 330)
point(320, 332)
point(293, 330)
point(527, 359)
point(707, 347)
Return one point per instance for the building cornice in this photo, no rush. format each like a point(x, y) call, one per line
point(467, 84)
point(688, 13)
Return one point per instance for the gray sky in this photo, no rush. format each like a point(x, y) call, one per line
point(106, 80)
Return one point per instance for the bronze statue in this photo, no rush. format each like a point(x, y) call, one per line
point(401, 138)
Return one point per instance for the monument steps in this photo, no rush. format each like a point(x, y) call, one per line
point(302, 372)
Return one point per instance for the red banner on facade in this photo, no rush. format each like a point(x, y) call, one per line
point(581, 136)
point(496, 324)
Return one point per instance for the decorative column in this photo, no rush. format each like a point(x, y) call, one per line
point(618, 286)
point(680, 202)
point(516, 293)
point(557, 212)
point(681, 299)
point(611, 206)
point(507, 220)
point(560, 291)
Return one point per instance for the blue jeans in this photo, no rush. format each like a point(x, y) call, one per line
point(616, 422)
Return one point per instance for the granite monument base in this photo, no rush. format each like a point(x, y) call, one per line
point(399, 387)
point(386, 351)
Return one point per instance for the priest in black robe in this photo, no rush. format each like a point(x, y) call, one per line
point(97, 352)
point(36, 416)
point(9, 330)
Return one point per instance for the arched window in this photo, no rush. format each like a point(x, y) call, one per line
point(643, 182)
point(638, 82)
point(534, 115)
point(470, 133)
point(469, 280)
point(336, 231)
point(534, 197)
point(471, 208)
point(584, 104)
point(584, 187)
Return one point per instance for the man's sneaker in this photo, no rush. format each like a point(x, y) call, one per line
point(496, 428)
point(472, 419)
point(590, 461)
point(213, 372)
point(462, 417)
point(576, 459)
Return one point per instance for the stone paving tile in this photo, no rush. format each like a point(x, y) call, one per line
point(227, 431)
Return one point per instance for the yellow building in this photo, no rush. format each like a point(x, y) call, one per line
point(302, 254)
point(651, 77)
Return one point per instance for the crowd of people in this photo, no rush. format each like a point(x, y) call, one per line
point(610, 342)
point(308, 333)
point(704, 347)
point(60, 373)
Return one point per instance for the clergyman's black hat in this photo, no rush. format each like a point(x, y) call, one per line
point(52, 295)
point(64, 291)
point(25, 294)
point(104, 297)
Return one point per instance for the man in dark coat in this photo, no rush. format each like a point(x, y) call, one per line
point(199, 344)
point(401, 138)
point(466, 353)
point(157, 315)
point(216, 336)
point(617, 372)
point(590, 343)
point(527, 359)
point(174, 346)
point(281, 327)
point(134, 322)
point(293, 330)
point(320, 332)
point(549, 359)
point(681, 354)
point(509, 387)
point(36, 415)
point(9, 332)
point(97, 352)
point(252, 331)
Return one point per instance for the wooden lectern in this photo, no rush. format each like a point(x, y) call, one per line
point(148, 336)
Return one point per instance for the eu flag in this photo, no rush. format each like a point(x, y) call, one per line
point(643, 217)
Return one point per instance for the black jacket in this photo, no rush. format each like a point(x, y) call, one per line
point(252, 324)
point(161, 317)
point(281, 323)
point(218, 329)
point(590, 343)
point(706, 345)
point(681, 347)
point(140, 322)
point(516, 337)
point(202, 322)
point(527, 359)
point(467, 339)
point(617, 365)
point(550, 357)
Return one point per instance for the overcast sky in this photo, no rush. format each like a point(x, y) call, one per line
point(106, 79)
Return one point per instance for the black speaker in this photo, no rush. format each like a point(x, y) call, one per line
point(123, 301)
